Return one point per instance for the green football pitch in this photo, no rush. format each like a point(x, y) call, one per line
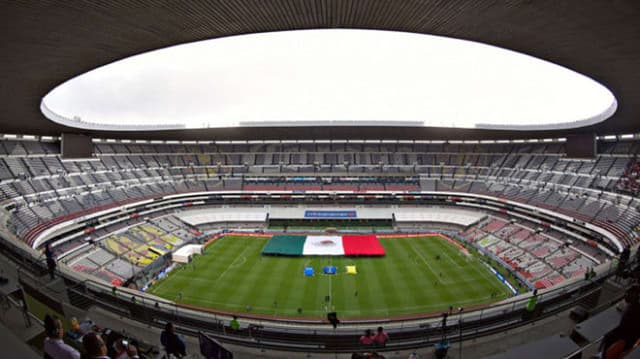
point(232, 275)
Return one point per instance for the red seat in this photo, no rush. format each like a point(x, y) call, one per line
point(615, 350)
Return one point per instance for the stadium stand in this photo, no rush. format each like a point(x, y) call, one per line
point(40, 191)
point(122, 253)
point(629, 182)
point(41, 194)
point(543, 258)
point(44, 189)
point(49, 190)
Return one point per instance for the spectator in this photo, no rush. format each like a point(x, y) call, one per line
point(54, 346)
point(367, 338)
point(234, 324)
point(94, 346)
point(381, 338)
point(171, 342)
point(132, 351)
point(628, 329)
point(48, 251)
point(531, 306)
point(125, 350)
point(51, 260)
point(51, 266)
point(121, 347)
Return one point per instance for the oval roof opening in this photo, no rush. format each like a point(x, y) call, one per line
point(330, 78)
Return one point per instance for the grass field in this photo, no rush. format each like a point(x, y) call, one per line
point(232, 275)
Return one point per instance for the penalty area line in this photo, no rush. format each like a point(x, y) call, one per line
point(232, 264)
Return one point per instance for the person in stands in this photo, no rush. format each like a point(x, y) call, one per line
point(48, 251)
point(367, 338)
point(628, 330)
point(125, 350)
point(132, 351)
point(381, 338)
point(51, 260)
point(171, 342)
point(54, 346)
point(234, 324)
point(94, 346)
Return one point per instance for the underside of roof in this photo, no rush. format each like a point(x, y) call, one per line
point(45, 43)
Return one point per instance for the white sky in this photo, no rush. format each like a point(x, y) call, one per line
point(311, 76)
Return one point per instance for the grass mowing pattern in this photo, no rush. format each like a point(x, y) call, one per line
point(232, 274)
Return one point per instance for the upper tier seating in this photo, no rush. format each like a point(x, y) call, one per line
point(629, 182)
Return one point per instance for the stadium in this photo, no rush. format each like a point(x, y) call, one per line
point(291, 219)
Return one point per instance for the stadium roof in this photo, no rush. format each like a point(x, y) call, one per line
point(43, 44)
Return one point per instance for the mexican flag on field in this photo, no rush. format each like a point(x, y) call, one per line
point(355, 245)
